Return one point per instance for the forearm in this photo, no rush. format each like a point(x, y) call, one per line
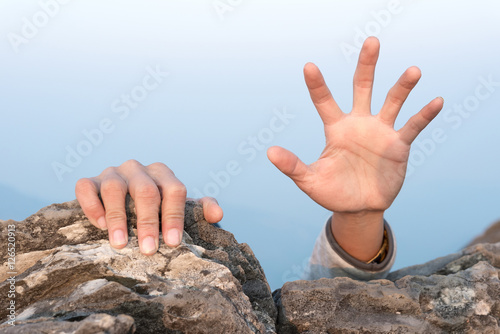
point(359, 234)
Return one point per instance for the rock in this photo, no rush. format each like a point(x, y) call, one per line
point(491, 235)
point(459, 294)
point(453, 263)
point(94, 323)
point(69, 279)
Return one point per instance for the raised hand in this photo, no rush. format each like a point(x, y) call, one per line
point(151, 187)
point(363, 166)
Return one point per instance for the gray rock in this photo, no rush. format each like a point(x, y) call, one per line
point(454, 262)
point(68, 274)
point(94, 323)
point(69, 280)
point(458, 294)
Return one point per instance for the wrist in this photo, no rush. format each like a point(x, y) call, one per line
point(359, 233)
point(360, 218)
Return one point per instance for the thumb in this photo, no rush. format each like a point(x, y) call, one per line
point(287, 162)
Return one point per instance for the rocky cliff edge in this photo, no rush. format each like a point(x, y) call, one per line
point(67, 279)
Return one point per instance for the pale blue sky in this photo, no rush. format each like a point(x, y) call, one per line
point(228, 74)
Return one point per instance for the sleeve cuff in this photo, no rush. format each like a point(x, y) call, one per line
point(370, 267)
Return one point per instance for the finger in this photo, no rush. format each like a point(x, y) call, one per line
point(173, 203)
point(363, 76)
point(113, 192)
point(418, 122)
point(211, 210)
point(146, 195)
point(398, 94)
point(288, 163)
point(86, 191)
point(325, 104)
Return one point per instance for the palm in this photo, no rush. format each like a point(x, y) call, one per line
point(362, 166)
point(364, 161)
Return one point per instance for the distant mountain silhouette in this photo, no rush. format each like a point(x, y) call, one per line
point(16, 205)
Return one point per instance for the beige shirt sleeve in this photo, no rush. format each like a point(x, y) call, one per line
point(329, 260)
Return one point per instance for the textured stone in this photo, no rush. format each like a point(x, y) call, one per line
point(69, 280)
point(454, 262)
point(70, 274)
point(94, 323)
point(459, 294)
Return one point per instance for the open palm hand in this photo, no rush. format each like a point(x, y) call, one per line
point(363, 165)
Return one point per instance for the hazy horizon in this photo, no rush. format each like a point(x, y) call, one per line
point(218, 75)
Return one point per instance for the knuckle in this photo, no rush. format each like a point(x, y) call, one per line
point(414, 126)
point(148, 192)
point(115, 217)
point(364, 83)
point(322, 97)
point(407, 84)
point(85, 185)
point(112, 187)
point(132, 163)
point(147, 223)
point(158, 166)
point(174, 214)
point(108, 171)
point(396, 100)
point(173, 219)
point(176, 191)
point(93, 208)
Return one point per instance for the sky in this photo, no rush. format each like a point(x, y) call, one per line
point(205, 77)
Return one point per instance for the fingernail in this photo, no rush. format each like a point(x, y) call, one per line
point(119, 238)
point(102, 223)
point(173, 237)
point(148, 245)
point(441, 98)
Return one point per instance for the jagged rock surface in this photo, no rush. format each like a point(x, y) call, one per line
point(94, 323)
point(459, 293)
point(71, 281)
